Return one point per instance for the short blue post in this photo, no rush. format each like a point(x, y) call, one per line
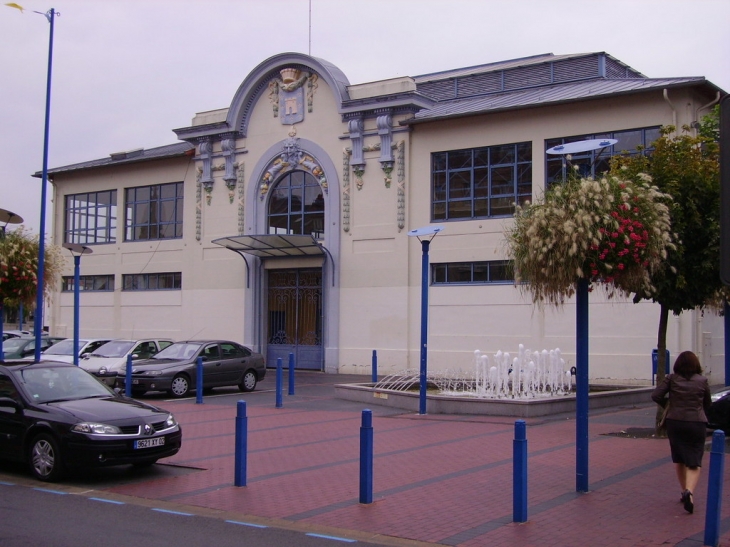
point(581, 387)
point(291, 374)
point(199, 381)
point(279, 382)
point(714, 489)
point(375, 367)
point(366, 457)
point(128, 379)
point(239, 478)
point(519, 473)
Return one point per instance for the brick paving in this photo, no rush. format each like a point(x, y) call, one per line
point(439, 479)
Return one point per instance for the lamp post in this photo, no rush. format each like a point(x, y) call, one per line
point(8, 217)
point(76, 251)
point(424, 235)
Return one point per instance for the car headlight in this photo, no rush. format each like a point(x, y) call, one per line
point(152, 372)
point(171, 421)
point(98, 429)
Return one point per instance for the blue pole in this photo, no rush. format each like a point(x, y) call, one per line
point(424, 328)
point(375, 367)
point(128, 379)
point(366, 457)
point(199, 381)
point(2, 320)
point(727, 343)
point(239, 478)
point(38, 325)
point(519, 473)
point(279, 382)
point(581, 388)
point(714, 489)
point(291, 374)
point(77, 280)
point(20, 317)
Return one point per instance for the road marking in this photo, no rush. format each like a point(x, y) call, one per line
point(51, 491)
point(247, 524)
point(7, 483)
point(172, 512)
point(108, 501)
point(331, 537)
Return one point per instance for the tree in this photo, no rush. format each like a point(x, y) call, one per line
point(686, 167)
point(19, 268)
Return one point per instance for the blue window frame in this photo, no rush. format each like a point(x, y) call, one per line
point(154, 212)
point(596, 162)
point(152, 281)
point(296, 206)
point(480, 182)
point(91, 218)
point(89, 283)
point(461, 273)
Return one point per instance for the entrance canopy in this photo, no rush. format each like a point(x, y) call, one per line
point(275, 246)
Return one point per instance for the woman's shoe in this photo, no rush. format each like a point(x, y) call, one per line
point(688, 502)
point(684, 496)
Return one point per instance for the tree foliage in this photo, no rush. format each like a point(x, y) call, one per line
point(19, 269)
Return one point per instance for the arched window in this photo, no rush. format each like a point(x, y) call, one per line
point(296, 206)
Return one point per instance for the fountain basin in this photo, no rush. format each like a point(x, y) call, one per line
point(600, 396)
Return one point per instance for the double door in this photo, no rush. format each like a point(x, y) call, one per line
point(295, 317)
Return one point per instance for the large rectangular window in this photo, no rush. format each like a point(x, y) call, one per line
point(595, 162)
point(460, 273)
point(152, 281)
point(89, 283)
point(480, 182)
point(91, 218)
point(154, 212)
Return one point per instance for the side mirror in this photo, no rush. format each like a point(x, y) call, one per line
point(7, 402)
point(204, 358)
point(135, 356)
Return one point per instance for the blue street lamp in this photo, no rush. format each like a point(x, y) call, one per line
point(76, 251)
point(423, 236)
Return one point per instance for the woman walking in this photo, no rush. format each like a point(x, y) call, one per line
point(688, 395)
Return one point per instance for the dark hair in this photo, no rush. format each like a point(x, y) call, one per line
point(687, 365)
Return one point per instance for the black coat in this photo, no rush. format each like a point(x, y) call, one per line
point(689, 398)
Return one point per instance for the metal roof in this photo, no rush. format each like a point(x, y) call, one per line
point(132, 156)
point(273, 246)
point(543, 95)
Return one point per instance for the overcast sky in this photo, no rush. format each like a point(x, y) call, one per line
point(127, 72)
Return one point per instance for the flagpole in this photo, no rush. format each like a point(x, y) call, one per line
point(38, 323)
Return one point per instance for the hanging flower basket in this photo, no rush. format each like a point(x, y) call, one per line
point(609, 231)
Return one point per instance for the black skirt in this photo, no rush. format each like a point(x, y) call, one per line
point(687, 441)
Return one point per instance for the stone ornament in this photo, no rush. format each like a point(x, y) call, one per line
point(287, 96)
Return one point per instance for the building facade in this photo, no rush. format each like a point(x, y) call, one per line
point(282, 221)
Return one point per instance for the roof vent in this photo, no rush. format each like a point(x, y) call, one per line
point(116, 156)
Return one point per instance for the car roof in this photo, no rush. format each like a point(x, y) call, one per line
point(207, 342)
point(15, 364)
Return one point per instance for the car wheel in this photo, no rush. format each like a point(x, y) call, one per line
point(45, 458)
point(249, 381)
point(180, 386)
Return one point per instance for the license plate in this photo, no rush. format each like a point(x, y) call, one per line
point(148, 443)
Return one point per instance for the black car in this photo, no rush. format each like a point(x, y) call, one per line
point(56, 416)
point(719, 415)
point(174, 369)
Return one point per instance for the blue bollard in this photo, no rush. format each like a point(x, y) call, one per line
point(239, 478)
point(519, 473)
point(366, 457)
point(199, 381)
point(291, 374)
point(714, 489)
point(279, 381)
point(128, 378)
point(375, 367)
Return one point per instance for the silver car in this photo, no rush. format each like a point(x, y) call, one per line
point(64, 350)
point(111, 359)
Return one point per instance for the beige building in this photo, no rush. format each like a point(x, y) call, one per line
point(282, 220)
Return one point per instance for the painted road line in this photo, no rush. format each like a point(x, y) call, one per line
point(51, 491)
point(108, 501)
point(172, 512)
point(246, 524)
point(335, 538)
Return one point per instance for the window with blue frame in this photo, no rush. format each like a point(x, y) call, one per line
point(154, 212)
point(480, 182)
point(296, 206)
point(152, 281)
point(461, 273)
point(595, 162)
point(91, 218)
point(89, 283)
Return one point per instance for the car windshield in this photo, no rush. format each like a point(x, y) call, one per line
point(64, 347)
point(178, 350)
point(12, 344)
point(115, 348)
point(48, 384)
